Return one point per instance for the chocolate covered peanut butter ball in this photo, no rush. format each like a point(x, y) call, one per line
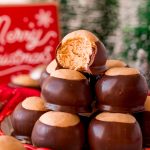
point(114, 131)
point(67, 90)
point(121, 90)
point(25, 115)
point(58, 130)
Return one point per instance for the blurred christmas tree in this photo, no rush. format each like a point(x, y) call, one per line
point(139, 37)
point(98, 16)
point(137, 40)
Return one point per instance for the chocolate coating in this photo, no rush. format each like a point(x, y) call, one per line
point(114, 136)
point(49, 69)
point(67, 95)
point(93, 80)
point(98, 60)
point(23, 121)
point(144, 120)
point(57, 138)
point(122, 93)
point(86, 119)
point(44, 75)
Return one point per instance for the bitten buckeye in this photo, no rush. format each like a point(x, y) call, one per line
point(67, 90)
point(58, 130)
point(25, 115)
point(121, 90)
point(114, 131)
point(81, 50)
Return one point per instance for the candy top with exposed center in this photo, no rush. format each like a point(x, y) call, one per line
point(24, 80)
point(121, 71)
point(59, 119)
point(68, 74)
point(10, 143)
point(52, 66)
point(115, 63)
point(116, 117)
point(34, 103)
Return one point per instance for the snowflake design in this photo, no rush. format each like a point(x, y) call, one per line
point(44, 18)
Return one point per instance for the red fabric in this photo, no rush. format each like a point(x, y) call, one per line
point(10, 98)
point(29, 147)
point(5, 95)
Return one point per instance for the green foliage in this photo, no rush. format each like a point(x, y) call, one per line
point(139, 37)
point(98, 16)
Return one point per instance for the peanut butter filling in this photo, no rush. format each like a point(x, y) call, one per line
point(116, 117)
point(59, 119)
point(147, 103)
point(115, 63)
point(52, 66)
point(75, 53)
point(24, 80)
point(34, 103)
point(68, 74)
point(121, 71)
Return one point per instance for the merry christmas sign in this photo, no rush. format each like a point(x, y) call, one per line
point(29, 35)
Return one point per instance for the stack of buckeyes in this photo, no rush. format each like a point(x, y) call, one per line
point(89, 101)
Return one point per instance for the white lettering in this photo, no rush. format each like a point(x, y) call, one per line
point(33, 38)
point(19, 57)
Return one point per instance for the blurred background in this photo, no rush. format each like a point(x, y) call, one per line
point(122, 25)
